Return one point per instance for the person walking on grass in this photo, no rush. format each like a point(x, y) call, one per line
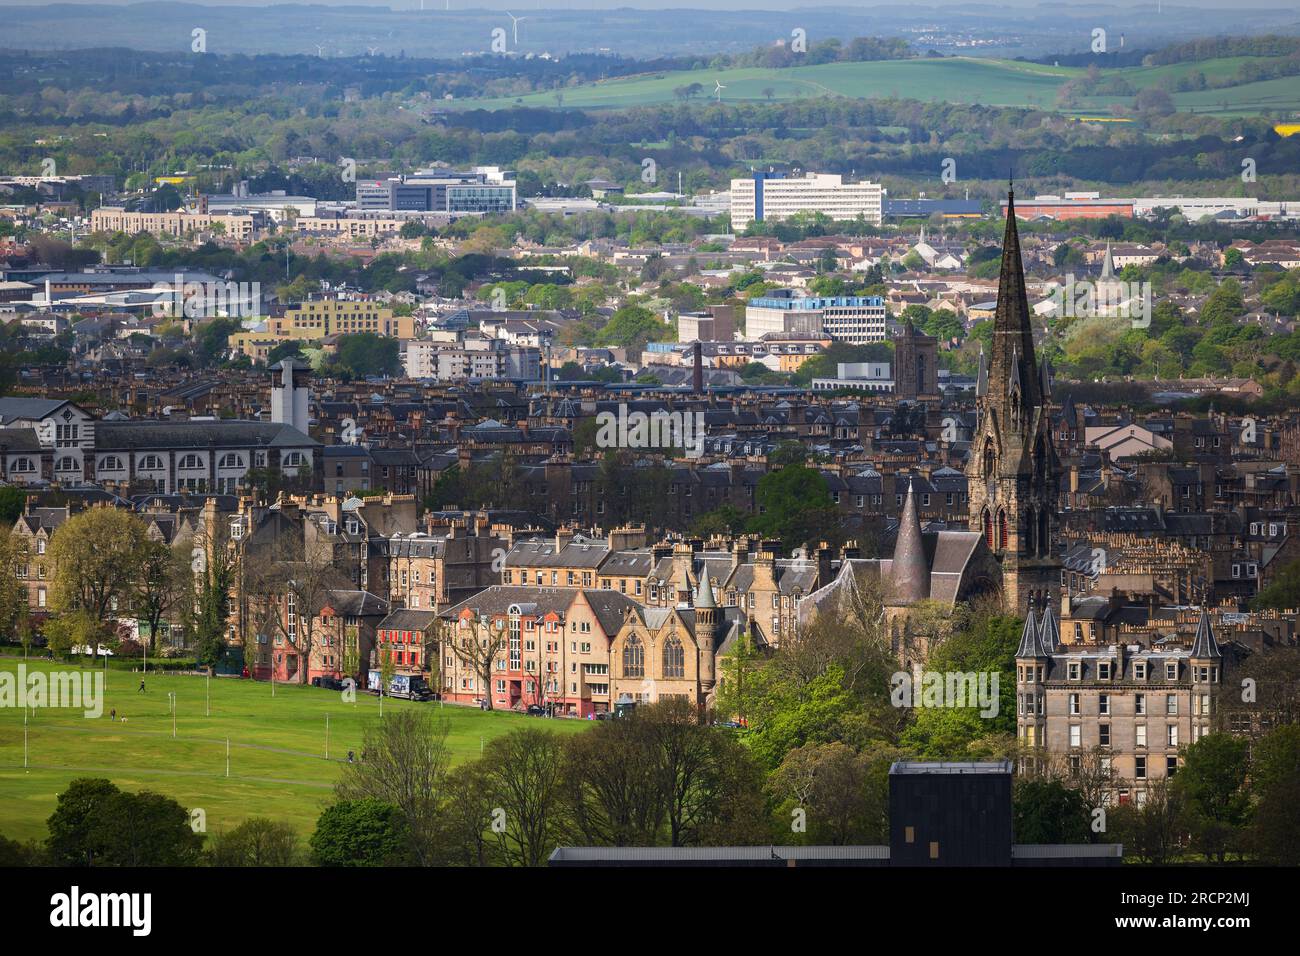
point(141, 690)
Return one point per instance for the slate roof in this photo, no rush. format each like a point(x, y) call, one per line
point(199, 435)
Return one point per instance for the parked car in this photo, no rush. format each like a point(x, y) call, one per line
point(536, 710)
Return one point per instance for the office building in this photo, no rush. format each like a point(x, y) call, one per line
point(765, 197)
point(853, 319)
point(484, 189)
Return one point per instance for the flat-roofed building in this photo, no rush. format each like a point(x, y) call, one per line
point(179, 224)
point(774, 196)
point(317, 319)
point(850, 318)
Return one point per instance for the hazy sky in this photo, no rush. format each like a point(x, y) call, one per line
point(1074, 6)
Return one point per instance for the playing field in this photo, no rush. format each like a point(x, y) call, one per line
point(991, 82)
point(278, 766)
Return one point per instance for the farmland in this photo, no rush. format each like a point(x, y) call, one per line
point(990, 82)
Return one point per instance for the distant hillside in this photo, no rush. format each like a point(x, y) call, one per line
point(1193, 86)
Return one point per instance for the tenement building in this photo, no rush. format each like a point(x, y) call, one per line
point(1116, 712)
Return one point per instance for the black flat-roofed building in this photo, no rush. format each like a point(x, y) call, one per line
point(950, 814)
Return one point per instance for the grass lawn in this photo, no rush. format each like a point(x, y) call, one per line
point(278, 766)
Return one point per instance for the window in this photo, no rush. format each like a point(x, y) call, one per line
point(1139, 671)
point(1103, 704)
point(1140, 735)
point(1139, 704)
point(1171, 766)
point(1074, 670)
point(1171, 705)
point(190, 463)
point(1076, 735)
point(1171, 670)
point(633, 657)
point(231, 460)
point(1074, 705)
point(1171, 734)
point(1103, 735)
point(151, 463)
point(674, 658)
point(1140, 768)
point(110, 463)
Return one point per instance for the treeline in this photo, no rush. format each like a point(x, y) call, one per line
point(1209, 48)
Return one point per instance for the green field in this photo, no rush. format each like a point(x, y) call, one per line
point(991, 82)
point(278, 767)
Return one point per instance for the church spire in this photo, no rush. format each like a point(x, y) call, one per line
point(1013, 334)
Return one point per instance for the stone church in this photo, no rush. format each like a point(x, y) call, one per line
point(1013, 472)
point(1008, 550)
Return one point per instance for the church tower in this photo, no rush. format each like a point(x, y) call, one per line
point(1013, 471)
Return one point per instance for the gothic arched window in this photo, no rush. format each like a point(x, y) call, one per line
point(633, 657)
point(1002, 530)
point(1044, 532)
point(988, 529)
point(990, 460)
point(1027, 544)
point(674, 658)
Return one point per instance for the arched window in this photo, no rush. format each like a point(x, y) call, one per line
point(988, 529)
point(1044, 532)
point(990, 460)
point(151, 463)
point(293, 459)
point(1030, 526)
point(1002, 530)
point(1040, 461)
point(231, 460)
point(110, 463)
point(633, 657)
point(66, 463)
point(190, 463)
point(23, 465)
point(674, 658)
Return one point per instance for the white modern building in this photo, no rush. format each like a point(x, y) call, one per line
point(859, 376)
point(474, 358)
point(773, 196)
point(854, 319)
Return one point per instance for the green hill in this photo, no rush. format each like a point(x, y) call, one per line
point(972, 80)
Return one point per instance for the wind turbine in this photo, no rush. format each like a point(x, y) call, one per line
point(718, 91)
point(373, 50)
point(516, 24)
point(320, 50)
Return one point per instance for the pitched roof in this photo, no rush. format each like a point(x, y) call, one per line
point(1205, 646)
point(1031, 643)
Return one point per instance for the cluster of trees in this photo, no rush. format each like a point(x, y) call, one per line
point(103, 566)
point(659, 777)
point(1214, 341)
